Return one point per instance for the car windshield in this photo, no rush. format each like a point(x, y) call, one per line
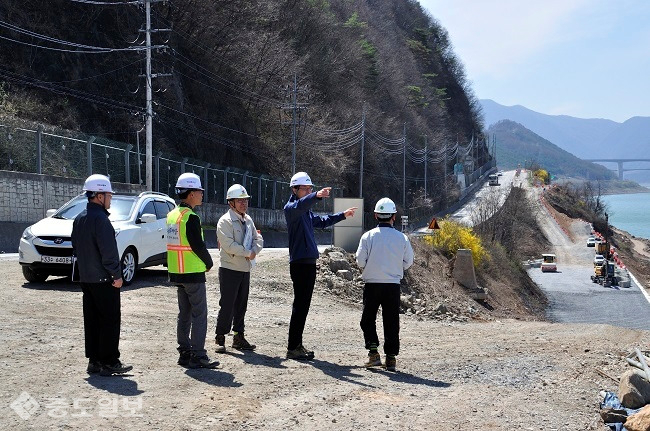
point(120, 208)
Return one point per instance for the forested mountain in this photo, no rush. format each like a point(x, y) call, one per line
point(586, 138)
point(225, 90)
point(518, 146)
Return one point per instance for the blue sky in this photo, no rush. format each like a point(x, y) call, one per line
point(583, 58)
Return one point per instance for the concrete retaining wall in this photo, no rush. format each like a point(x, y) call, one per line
point(24, 198)
point(264, 219)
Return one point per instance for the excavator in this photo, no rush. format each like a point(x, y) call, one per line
point(604, 271)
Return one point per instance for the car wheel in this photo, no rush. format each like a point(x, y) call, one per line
point(33, 276)
point(129, 265)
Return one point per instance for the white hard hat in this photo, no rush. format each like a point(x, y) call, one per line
point(237, 191)
point(300, 179)
point(189, 181)
point(385, 206)
point(98, 183)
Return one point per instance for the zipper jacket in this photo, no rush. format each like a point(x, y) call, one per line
point(384, 253)
point(301, 222)
point(94, 245)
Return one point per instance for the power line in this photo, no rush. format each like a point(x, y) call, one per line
point(94, 76)
point(206, 121)
point(89, 97)
point(85, 49)
point(226, 142)
point(107, 3)
point(211, 75)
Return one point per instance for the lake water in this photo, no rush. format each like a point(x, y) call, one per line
point(630, 212)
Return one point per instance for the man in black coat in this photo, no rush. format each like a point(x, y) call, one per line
point(100, 274)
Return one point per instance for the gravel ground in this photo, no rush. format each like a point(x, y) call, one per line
point(496, 375)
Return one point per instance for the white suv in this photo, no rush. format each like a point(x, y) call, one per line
point(140, 225)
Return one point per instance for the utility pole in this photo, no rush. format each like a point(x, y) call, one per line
point(363, 141)
point(426, 162)
point(293, 127)
point(149, 117)
point(404, 169)
point(149, 77)
point(296, 110)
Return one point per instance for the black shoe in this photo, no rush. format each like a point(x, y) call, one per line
point(240, 343)
point(300, 353)
point(116, 368)
point(94, 367)
point(202, 362)
point(184, 359)
point(221, 343)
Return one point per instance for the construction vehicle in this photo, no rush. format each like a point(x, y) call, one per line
point(549, 263)
point(604, 274)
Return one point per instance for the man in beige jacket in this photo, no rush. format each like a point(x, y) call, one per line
point(240, 243)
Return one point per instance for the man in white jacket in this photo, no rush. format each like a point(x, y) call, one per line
point(384, 254)
point(240, 243)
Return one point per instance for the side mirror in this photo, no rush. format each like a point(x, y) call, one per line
point(50, 212)
point(148, 218)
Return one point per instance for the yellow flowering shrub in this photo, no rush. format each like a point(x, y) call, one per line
point(451, 236)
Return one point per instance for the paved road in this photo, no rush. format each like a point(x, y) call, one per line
point(487, 201)
point(573, 298)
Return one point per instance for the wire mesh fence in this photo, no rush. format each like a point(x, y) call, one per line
point(74, 155)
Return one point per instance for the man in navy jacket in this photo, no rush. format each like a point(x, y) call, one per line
point(303, 254)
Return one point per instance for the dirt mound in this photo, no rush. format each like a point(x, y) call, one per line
point(429, 291)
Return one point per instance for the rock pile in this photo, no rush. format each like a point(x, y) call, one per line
point(632, 405)
point(339, 274)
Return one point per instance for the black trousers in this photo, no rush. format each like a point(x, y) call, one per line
point(385, 295)
point(303, 276)
point(234, 287)
point(101, 308)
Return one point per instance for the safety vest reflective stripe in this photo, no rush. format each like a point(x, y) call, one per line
point(180, 257)
point(179, 247)
point(180, 216)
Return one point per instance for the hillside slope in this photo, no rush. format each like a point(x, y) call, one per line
point(226, 91)
point(518, 146)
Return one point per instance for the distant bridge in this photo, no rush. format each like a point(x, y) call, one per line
point(620, 164)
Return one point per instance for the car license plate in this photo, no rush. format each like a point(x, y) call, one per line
point(57, 259)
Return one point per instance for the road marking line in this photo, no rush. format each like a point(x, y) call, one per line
point(639, 285)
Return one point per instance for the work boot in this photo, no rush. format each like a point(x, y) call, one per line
point(221, 343)
point(300, 353)
point(374, 360)
point(184, 359)
point(116, 368)
point(202, 362)
point(94, 367)
point(240, 343)
point(391, 362)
